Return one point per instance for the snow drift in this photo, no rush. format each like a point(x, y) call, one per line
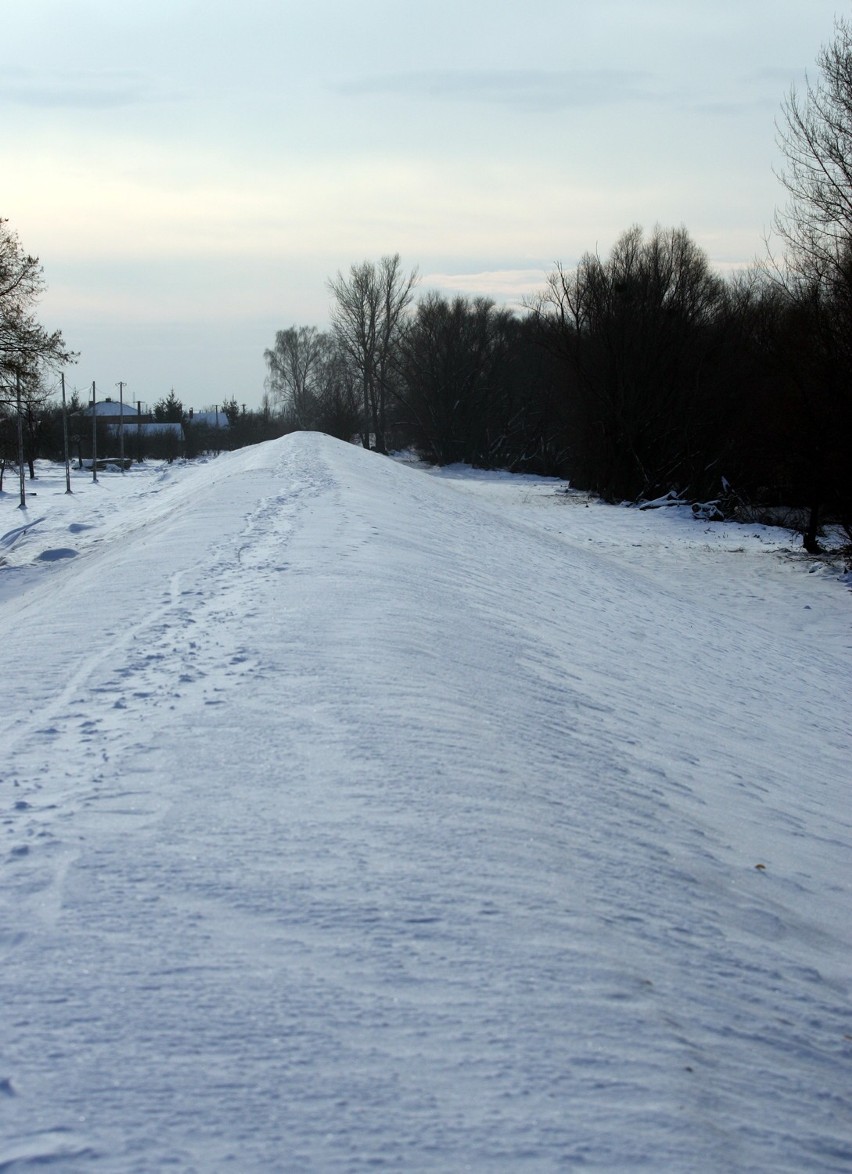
point(355, 815)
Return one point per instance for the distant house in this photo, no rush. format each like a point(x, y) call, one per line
point(114, 415)
point(143, 434)
point(215, 419)
point(161, 428)
point(112, 411)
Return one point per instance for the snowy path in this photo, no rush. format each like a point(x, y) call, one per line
point(353, 816)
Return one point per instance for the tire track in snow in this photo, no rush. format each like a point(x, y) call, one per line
point(88, 747)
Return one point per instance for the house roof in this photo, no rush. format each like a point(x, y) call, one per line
point(111, 407)
point(211, 419)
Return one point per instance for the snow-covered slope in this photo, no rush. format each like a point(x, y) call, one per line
point(358, 816)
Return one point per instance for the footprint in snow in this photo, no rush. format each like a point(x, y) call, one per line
point(52, 556)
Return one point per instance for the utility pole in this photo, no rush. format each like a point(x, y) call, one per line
point(121, 424)
point(94, 434)
point(65, 438)
point(23, 479)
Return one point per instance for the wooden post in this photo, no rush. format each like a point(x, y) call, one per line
point(23, 479)
point(65, 438)
point(121, 423)
point(94, 433)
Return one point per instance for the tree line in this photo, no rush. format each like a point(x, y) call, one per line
point(633, 375)
point(41, 430)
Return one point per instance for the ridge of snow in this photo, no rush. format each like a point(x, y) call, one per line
point(354, 814)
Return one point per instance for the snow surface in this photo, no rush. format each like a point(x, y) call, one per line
point(354, 815)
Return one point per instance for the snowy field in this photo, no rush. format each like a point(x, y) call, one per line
point(357, 816)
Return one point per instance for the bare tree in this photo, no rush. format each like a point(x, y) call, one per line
point(815, 347)
point(815, 136)
point(366, 315)
point(638, 333)
point(336, 399)
point(295, 366)
point(25, 345)
point(450, 354)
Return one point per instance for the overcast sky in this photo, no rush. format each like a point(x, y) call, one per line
point(190, 173)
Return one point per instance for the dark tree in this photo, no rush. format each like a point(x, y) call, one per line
point(815, 136)
point(295, 366)
point(366, 316)
point(639, 336)
point(815, 226)
point(169, 410)
point(448, 353)
point(232, 411)
point(25, 345)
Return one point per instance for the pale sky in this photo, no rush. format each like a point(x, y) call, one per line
point(191, 173)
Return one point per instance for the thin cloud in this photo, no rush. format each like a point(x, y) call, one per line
point(760, 89)
point(776, 76)
point(509, 284)
point(529, 89)
point(77, 89)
